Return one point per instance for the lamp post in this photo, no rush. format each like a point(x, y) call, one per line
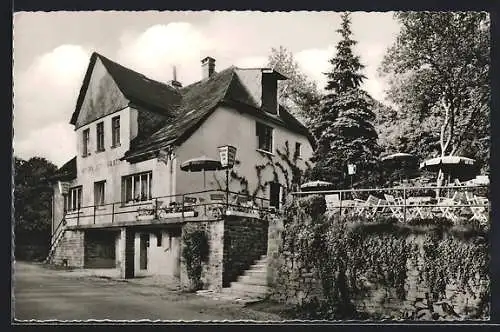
point(227, 154)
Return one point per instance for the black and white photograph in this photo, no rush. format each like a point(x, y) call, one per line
point(220, 166)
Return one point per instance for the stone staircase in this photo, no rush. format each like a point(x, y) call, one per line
point(252, 285)
point(55, 241)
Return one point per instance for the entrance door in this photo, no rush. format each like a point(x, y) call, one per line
point(144, 251)
point(274, 195)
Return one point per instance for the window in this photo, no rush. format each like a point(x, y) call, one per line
point(137, 187)
point(297, 150)
point(73, 200)
point(86, 142)
point(100, 136)
point(99, 193)
point(264, 137)
point(115, 131)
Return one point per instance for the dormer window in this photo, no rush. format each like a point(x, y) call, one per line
point(269, 94)
point(270, 78)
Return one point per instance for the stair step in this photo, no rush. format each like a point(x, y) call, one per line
point(251, 289)
point(248, 280)
point(261, 273)
point(258, 266)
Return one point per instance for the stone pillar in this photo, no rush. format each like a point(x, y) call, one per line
point(275, 230)
point(211, 275)
point(127, 253)
point(216, 255)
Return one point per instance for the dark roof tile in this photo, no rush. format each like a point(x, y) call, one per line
point(66, 171)
point(184, 109)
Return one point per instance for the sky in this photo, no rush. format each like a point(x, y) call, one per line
point(52, 51)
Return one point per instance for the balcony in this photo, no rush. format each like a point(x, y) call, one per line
point(195, 206)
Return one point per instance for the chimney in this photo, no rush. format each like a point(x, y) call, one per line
point(175, 83)
point(207, 67)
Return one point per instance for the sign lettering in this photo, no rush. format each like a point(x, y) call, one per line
point(227, 155)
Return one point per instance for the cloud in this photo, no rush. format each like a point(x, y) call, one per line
point(252, 62)
point(44, 98)
point(55, 142)
point(315, 62)
point(157, 49)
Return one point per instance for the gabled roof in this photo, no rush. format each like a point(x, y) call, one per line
point(136, 87)
point(66, 172)
point(198, 102)
point(185, 109)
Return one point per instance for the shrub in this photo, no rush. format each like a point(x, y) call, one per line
point(195, 253)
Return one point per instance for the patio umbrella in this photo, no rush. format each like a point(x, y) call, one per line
point(400, 156)
point(401, 160)
point(316, 185)
point(201, 164)
point(450, 165)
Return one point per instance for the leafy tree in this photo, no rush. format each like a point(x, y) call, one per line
point(32, 198)
point(438, 76)
point(298, 94)
point(344, 126)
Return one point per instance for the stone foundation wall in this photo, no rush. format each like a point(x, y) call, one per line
point(245, 241)
point(70, 249)
point(295, 283)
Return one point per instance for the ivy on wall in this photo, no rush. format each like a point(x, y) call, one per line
point(195, 252)
point(349, 254)
point(284, 163)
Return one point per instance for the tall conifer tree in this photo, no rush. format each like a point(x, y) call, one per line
point(344, 130)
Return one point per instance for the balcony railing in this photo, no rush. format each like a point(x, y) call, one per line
point(457, 203)
point(201, 205)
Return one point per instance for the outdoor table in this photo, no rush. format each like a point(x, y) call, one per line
point(416, 203)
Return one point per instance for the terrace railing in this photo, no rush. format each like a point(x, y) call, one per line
point(208, 204)
point(407, 203)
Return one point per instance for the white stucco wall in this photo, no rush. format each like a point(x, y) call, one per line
point(228, 126)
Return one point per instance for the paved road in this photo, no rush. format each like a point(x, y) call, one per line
point(45, 294)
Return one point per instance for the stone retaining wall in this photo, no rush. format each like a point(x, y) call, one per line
point(70, 249)
point(296, 283)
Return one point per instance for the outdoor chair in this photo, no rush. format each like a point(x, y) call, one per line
point(332, 203)
point(447, 206)
point(217, 203)
point(367, 208)
point(478, 212)
point(189, 203)
point(395, 206)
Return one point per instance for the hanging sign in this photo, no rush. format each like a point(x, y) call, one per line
point(63, 187)
point(227, 154)
point(351, 169)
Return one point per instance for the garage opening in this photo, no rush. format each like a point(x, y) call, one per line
point(100, 249)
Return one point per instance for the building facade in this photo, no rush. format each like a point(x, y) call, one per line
point(133, 133)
